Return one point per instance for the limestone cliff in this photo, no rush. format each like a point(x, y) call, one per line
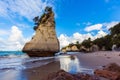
point(44, 42)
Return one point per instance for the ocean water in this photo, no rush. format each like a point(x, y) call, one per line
point(7, 53)
point(19, 60)
point(13, 65)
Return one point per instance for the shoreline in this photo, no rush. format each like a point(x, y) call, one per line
point(93, 61)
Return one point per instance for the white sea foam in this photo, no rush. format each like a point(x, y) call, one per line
point(22, 61)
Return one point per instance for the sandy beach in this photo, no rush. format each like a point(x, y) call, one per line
point(93, 61)
point(81, 62)
point(97, 59)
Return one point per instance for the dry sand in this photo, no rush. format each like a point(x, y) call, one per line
point(96, 59)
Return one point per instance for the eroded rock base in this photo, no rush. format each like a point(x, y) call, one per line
point(40, 54)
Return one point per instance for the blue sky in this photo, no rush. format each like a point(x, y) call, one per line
point(76, 20)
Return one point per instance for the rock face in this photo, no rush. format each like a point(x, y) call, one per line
point(94, 48)
point(44, 42)
point(111, 72)
point(62, 75)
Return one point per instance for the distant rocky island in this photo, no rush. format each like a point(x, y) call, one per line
point(44, 42)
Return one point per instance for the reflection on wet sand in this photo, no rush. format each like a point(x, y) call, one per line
point(12, 75)
point(69, 64)
point(72, 65)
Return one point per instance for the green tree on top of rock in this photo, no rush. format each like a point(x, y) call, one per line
point(87, 43)
point(115, 30)
point(38, 20)
point(115, 33)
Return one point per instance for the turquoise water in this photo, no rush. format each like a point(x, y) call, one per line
point(7, 53)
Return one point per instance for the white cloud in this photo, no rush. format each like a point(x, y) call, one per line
point(16, 34)
point(80, 37)
point(93, 27)
point(110, 24)
point(22, 25)
point(100, 34)
point(87, 23)
point(66, 40)
point(23, 8)
point(102, 26)
point(15, 40)
point(3, 32)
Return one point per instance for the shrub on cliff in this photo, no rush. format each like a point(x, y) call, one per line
point(38, 20)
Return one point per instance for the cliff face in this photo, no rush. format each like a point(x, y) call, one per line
point(45, 42)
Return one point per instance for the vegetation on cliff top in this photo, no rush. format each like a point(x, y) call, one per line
point(38, 20)
point(105, 42)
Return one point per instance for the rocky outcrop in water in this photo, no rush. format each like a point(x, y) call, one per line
point(44, 42)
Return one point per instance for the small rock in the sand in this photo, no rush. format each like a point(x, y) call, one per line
point(59, 78)
point(111, 72)
point(107, 74)
point(62, 75)
point(81, 76)
point(112, 67)
point(103, 66)
point(108, 57)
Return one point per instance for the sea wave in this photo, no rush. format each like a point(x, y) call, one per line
point(22, 61)
point(11, 63)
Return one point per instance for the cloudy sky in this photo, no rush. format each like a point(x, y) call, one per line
point(76, 20)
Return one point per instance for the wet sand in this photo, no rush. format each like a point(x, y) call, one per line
point(40, 73)
point(33, 73)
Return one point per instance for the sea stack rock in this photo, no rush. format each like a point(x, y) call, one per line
point(44, 42)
